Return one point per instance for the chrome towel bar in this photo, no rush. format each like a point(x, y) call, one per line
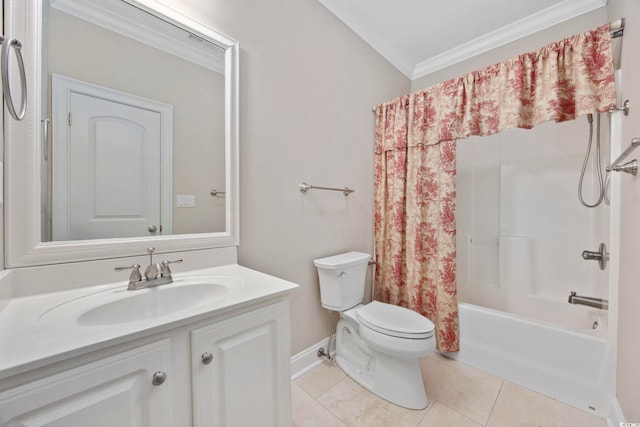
point(304, 187)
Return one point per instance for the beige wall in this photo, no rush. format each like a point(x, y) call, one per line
point(86, 52)
point(307, 86)
point(628, 378)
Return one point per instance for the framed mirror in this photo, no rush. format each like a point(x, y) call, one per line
point(131, 134)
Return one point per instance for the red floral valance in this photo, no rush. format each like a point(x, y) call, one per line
point(559, 82)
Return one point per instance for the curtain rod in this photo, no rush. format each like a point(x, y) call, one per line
point(617, 30)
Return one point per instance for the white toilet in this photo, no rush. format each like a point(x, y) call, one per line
point(378, 344)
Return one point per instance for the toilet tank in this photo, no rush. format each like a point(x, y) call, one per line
point(342, 279)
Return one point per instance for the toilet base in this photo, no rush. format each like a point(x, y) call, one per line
point(395, 379)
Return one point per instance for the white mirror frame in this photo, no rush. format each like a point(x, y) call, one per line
point(23, 245)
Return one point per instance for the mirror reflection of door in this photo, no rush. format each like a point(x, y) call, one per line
point(107, 163)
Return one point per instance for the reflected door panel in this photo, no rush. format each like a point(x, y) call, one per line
point(113, 172)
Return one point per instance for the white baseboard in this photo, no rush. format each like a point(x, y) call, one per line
point(616, 416)
point(308, 359)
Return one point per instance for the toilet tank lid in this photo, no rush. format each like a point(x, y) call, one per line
point(342, 260)
point(393, 318)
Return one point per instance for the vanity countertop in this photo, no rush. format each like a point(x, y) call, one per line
point(42, 329)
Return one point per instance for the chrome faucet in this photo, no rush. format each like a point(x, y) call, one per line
point(155, 274)
point(600, 303)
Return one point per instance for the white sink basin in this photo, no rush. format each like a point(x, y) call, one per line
point(120, 305)
point(152, 302)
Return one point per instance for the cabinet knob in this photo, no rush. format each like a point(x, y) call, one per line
point(159, 378)
point(207, 358)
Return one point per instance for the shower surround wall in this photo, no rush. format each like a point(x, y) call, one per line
point(628, 292)
point(521, 229)
point(520, 233)
point(504, 229)
point(541, 298)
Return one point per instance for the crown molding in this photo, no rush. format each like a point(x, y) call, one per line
point(144, 28)
point(349, 14)
point(519, 29)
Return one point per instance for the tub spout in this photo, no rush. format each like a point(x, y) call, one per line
point(600, 303)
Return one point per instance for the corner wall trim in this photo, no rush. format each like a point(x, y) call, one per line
point(308, 359)
point(616, 416)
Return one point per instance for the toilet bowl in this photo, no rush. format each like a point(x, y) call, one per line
point(395, 330)
point(377, 344)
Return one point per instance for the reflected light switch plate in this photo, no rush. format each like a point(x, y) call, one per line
point(185, 201)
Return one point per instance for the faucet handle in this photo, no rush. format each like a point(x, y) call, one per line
point(166, 271)
point(135, 272)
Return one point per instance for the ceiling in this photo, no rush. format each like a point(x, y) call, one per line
point(419, 37)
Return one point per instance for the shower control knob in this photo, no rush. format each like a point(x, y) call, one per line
point(601, 255)
point(159, 378)
point(207, 358)
point(591, 255)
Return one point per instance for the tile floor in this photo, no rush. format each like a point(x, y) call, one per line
point(459, 396)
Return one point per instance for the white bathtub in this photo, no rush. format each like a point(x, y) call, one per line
point(572, 367)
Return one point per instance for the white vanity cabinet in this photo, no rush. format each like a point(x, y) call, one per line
point(240, 370)
point(114, 391)
point(229, 369)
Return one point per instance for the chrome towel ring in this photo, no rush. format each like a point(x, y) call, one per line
point(7, 44)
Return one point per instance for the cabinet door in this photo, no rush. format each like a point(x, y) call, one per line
point(115, 391)
point(247, 380)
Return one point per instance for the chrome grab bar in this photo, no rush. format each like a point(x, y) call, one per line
point(600, 303)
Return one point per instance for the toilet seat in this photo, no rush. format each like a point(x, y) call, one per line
point(395, 321)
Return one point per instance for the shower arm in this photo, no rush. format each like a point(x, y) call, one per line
point(629, 167)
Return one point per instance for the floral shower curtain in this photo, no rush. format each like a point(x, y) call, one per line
point(415, 168)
